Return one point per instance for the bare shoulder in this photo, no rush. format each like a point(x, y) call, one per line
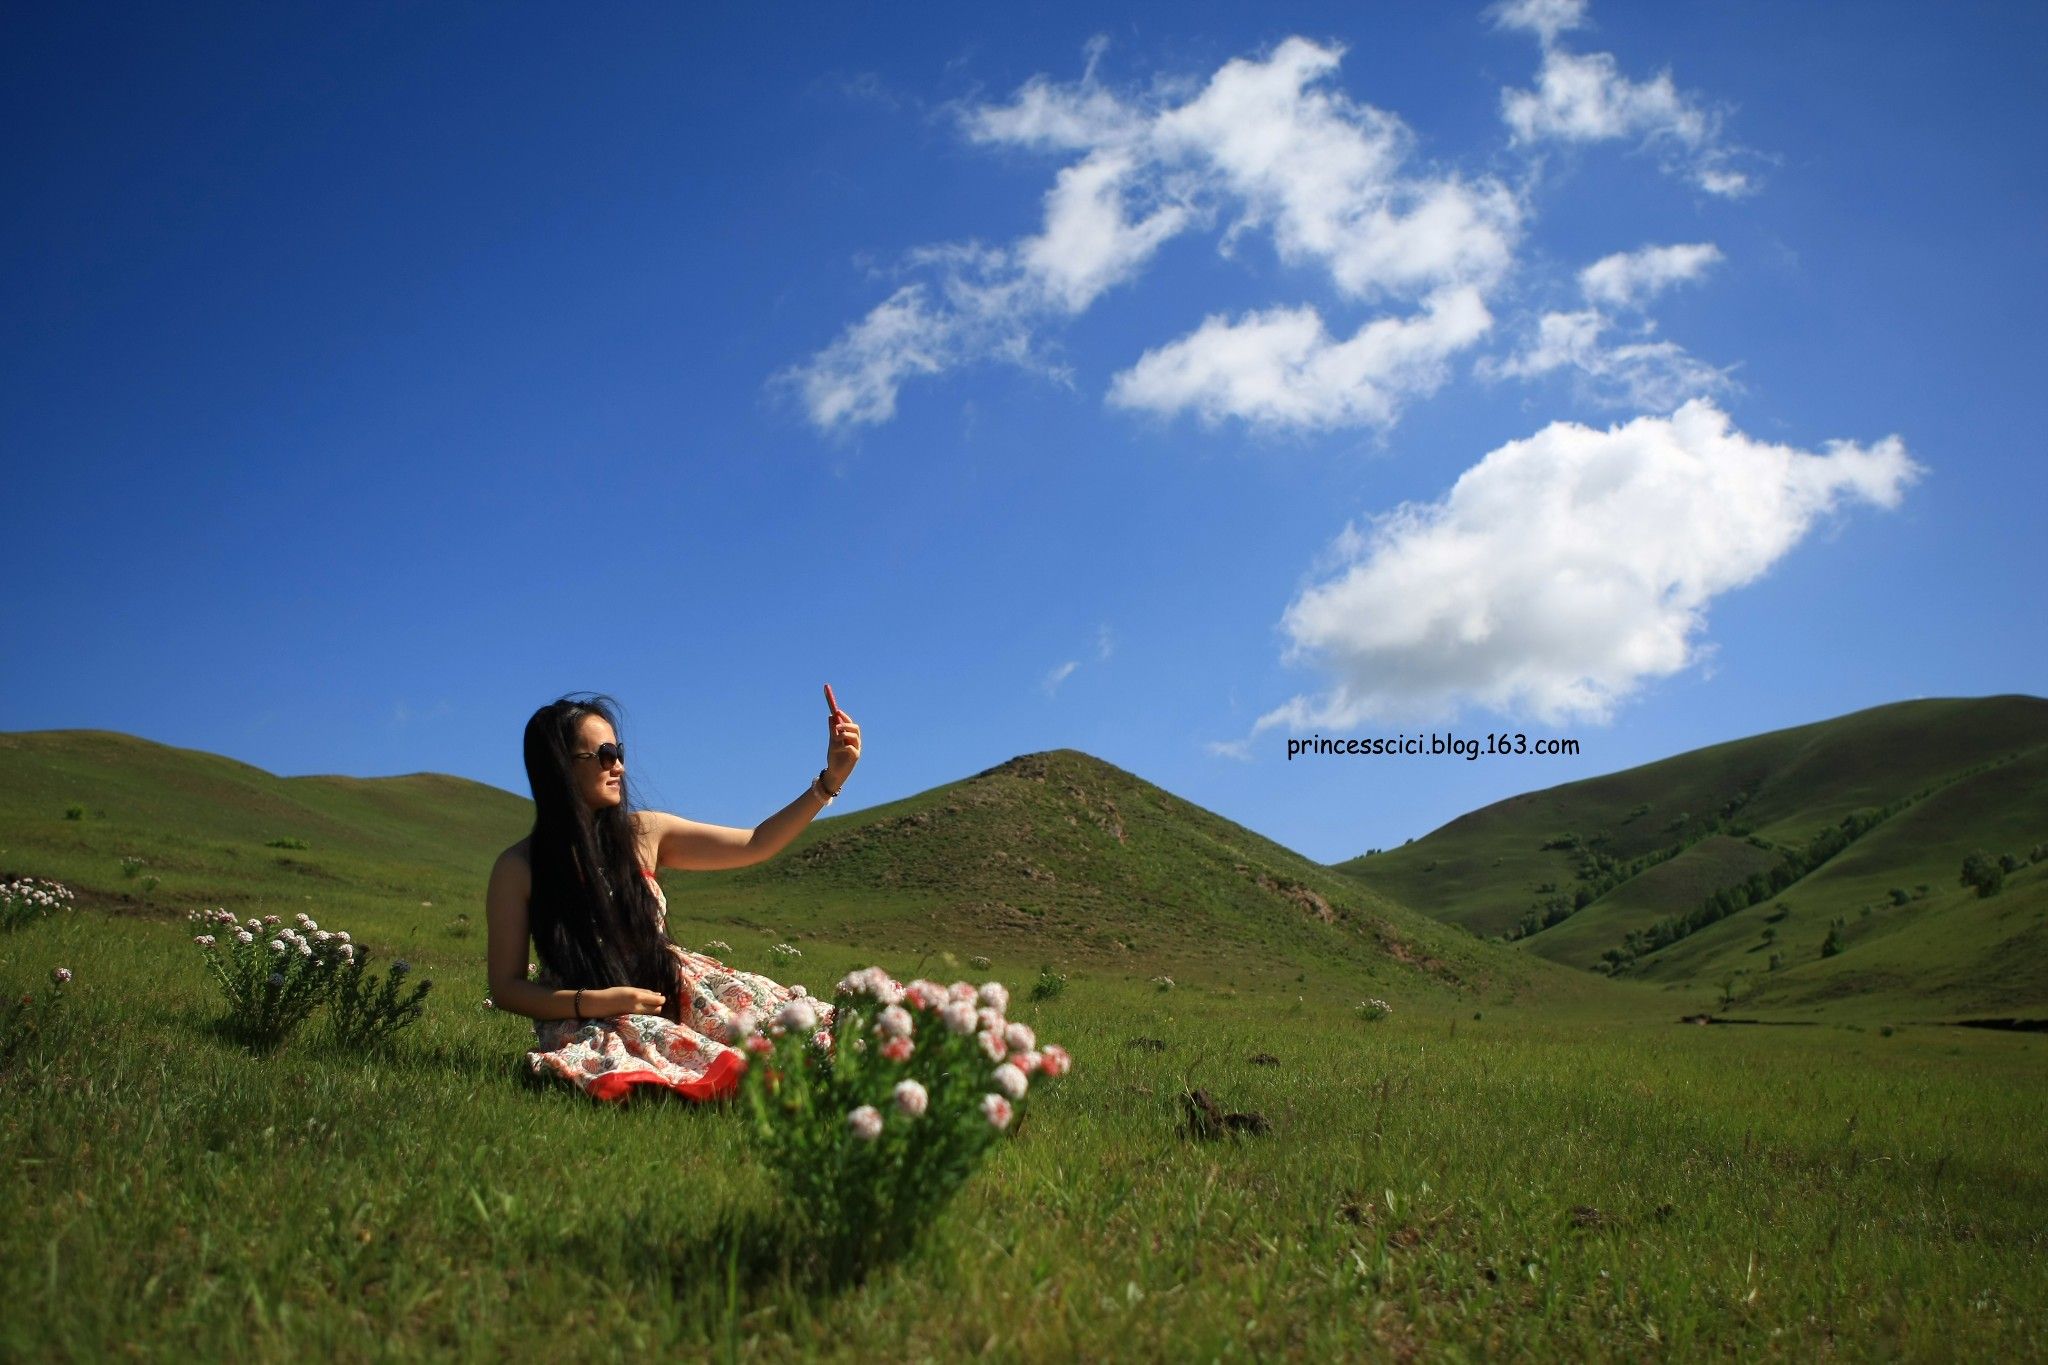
point(650, 827)
point(515, 862)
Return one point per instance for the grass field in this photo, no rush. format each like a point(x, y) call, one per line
point(1564, 1182)
point(1525, 1160)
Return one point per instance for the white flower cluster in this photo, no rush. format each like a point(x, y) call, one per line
point(786, 950)
point(281, 940)
point(1374, 1010)
point(720, 946)
point(36, 891)
point(28, 898)
point(1164, 983)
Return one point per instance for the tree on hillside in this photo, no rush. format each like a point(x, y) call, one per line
point(1982, 871)
point(1832, 944)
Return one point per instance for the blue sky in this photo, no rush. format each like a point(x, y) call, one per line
point(1158, 381)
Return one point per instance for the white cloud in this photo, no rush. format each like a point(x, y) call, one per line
point(1564, 571)
point(1628, 279)
point(1643, 374)
point(1264, 142)
point(1328, 178)
point(1059, 675)
point(1584, 97)
point(1282, 368)
point(1089, 243)
point(855, 379)
point(1544, 18)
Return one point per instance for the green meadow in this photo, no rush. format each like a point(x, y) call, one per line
point(1527, 1159)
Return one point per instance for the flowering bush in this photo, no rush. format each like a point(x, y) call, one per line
point(787, 950)
point(364, 1011)
point(28, 1025)
point(24, 900)
point(1374, 1010)
point(874, 1110)
point(272, 978)
point(1164, 983)
point(1049, 984)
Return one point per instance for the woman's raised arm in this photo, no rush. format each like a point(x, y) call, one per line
point(714, 848)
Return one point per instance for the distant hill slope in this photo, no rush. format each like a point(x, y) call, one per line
point(1049, 857)
point(1062, 854)
point(1615, 862)
point(201, 825)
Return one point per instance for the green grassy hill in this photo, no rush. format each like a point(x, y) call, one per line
point(202, 827)
point(1049, 858)
point(1062, 856)
point(1611, 857)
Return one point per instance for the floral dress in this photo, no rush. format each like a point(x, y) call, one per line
point(606, 1058)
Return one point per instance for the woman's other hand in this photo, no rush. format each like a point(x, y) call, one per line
point(842, 750)
point(616, 1000)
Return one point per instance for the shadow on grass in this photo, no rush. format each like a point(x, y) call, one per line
point(727, 1266)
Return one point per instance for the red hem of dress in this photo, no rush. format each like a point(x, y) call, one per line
point(720, 1079)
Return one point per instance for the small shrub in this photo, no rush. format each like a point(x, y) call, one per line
point(287, 842)
point(1164, 983)
point(787, 951)
point(1887, 1031)
point(459, 926)
point(1373, 1010)
point(871, 1115)
point(131, 866)
point(365, 1012)
point(24, 900)
point(150, 883)
point(74, 812)
point(719, 946)
point(1777, 961)
point(979, 963)
point(1986, 874)
point(1900, 895)
point(1832, 944)
point(2038, 853)
point(1049, 984)
point(33, 1027)
point(270, 978)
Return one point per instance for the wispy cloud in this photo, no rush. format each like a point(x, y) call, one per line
point(1265, 146)
point(1052, 681)
point(1629, 279)
point(1584, 97)
point(1640, 371)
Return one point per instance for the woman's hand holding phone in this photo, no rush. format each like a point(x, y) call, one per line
point(842, 748)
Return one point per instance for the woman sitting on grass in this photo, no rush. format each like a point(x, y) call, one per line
point(617, 1004)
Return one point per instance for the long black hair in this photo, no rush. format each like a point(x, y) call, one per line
point(594, 922)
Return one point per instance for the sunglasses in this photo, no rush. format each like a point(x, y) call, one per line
point(605, 754)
